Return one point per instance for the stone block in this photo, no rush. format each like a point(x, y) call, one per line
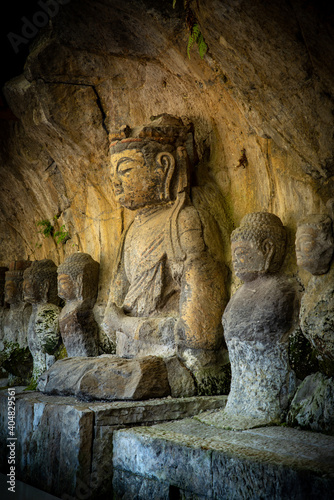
point(313, 404)
point(54, 441)
point(128, 486)
point(132, 413)
point(65, 446)
point(180, 380)
point(201, 461)
point(152, 456)
point(107, 377)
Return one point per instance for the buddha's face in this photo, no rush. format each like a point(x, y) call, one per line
point(66, 287)
point(134, 182)
point(31, 291)
point(249, 261)
point(12, 293)
point(313, 251)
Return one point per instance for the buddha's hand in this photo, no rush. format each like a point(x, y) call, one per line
point(113, 317)
point(115, 320)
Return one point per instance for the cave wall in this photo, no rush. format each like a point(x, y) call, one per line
point(264, 88)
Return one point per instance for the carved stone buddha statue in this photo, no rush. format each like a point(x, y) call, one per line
point(40, 290)
point(77, 285)
point(315, 244)
point(15, 322)
point(314, 250)
point(168, 291)
point(257, 322)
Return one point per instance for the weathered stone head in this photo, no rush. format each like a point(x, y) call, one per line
point(151, 164)
point(14, 281)
point(78, 278)
point(258, 245)
point(40, 283)
point(315, 243)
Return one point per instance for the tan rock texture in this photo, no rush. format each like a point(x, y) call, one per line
point(260, 100)
point(107, 377)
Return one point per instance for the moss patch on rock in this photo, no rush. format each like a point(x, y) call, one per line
point(17, 361)
point(213, 381)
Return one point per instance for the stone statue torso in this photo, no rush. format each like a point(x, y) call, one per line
point(256, 323)
point(78, 329)
point(152, 288)
point(316, 313)
point(260, 310)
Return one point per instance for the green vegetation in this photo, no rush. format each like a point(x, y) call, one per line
point(47, 228)
point(32, 384)
point(195, 35)
point(16, 360)
point(60, 235)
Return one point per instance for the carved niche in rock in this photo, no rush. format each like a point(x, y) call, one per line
point(78, 285)
point(257, 321)
point(40, 290)
point(15, 357)
point(314, 249)
point(168, 292)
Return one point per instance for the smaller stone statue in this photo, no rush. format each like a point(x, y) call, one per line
point(315, 244)
point(78, 285)
point(14, 282)
point(15, 356)
point(40, 290)
point(257, 321)
point(314, 250)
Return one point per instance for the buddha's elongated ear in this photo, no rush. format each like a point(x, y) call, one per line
point(166, 165)
point(268, 248)
point(79, 286)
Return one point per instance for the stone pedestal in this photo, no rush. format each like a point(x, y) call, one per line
point(64, 446)
point(188, 459)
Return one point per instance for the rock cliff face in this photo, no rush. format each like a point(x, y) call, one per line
point(261, 101)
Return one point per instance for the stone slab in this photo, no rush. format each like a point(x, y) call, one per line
point(195, 460)
point(107, 378)
point(64, 445)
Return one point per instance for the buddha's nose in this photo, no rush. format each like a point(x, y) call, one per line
point(116, 181)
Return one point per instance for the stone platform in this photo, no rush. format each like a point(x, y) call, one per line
point(191, 460)
point(64, 445)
